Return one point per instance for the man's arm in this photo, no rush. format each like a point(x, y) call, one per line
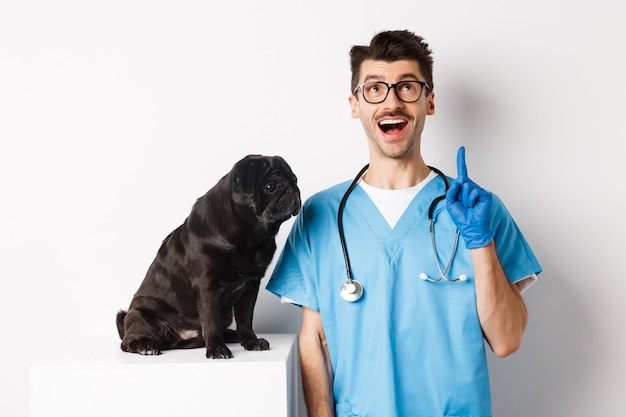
point(315, 365)
point(501, 308)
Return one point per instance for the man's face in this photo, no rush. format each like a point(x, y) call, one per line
point(393, 127)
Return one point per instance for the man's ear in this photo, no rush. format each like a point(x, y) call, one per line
point(430, 110)
point(354, 107)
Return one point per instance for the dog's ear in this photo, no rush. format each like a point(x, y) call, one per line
point(247, 173)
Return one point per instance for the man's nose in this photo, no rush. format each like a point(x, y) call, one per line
point(392, 100)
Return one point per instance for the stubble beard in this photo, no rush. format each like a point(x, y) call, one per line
point(399, 150)
point(394, 151)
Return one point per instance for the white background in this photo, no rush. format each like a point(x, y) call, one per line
point(115, 116)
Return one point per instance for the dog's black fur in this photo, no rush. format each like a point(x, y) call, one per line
point(211, 266)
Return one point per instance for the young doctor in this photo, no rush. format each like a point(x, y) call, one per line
point(395, 307)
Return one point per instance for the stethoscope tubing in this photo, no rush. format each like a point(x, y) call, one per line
point(342, 205)
point(352, 290)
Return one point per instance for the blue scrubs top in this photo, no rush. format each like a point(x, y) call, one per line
point(408, 347)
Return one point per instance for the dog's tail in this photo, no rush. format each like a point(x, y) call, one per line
point(120, 323)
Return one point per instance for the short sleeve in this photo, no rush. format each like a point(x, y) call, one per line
point(293, 277)
point(516, 256)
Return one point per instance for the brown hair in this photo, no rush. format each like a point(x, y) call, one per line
point(390, 46)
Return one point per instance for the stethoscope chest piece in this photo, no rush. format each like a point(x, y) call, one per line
point(351, 290)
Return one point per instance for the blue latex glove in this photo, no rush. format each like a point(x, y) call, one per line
point(469, 207)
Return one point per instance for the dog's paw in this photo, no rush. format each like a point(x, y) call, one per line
point(255, 344)
point(149, 349)
point(218, 352)
point(143, 347)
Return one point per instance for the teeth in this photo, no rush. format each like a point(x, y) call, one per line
point(391, 121)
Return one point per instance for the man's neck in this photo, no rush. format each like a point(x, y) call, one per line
point(396, 174)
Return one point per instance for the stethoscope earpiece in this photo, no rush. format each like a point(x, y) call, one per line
point(425, 277)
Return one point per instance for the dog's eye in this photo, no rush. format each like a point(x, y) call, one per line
point(270, 186)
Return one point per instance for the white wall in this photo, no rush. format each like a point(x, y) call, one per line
point(115, 116)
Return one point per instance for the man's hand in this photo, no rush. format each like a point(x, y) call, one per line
point(469, 207)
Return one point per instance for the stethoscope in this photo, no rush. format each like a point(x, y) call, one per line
point(352, 290)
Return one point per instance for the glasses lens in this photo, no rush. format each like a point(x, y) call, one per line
point(409, 90)
point(375, 92)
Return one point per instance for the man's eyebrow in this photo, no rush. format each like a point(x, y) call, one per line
point(405, 77)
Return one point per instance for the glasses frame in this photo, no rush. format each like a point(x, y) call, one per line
point(422, 84)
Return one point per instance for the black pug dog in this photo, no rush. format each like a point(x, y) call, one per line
point(211, 266)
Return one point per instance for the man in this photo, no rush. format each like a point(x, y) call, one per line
point(413, 343)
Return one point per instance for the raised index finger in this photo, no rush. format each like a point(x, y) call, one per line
point(460, 164)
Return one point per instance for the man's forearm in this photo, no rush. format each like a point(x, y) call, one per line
point(501, 308)
point(315, 367)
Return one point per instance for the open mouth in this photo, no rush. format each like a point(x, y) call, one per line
point(392, 126)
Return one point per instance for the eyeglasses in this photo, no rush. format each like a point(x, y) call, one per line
point(377, 91)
